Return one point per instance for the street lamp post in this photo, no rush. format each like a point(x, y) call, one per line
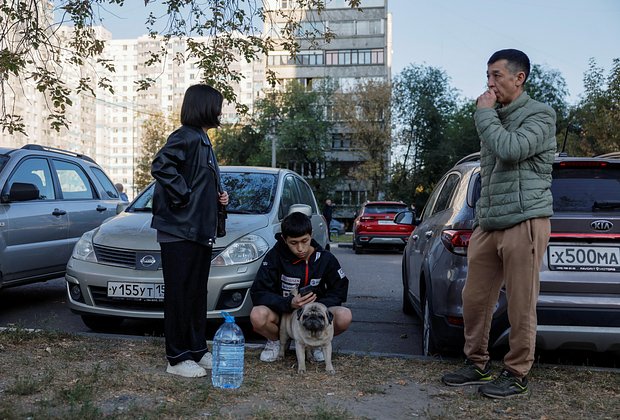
point(273, 142)
point(273, 150)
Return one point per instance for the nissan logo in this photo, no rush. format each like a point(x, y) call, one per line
point(601, 225)
point(148, 260)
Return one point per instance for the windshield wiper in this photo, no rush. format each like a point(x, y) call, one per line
point(606, 205)
point(240, 211)
point(141, 209)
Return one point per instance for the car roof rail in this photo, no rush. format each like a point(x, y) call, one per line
point(474, 157)
point(56, 150)
point(611, 155)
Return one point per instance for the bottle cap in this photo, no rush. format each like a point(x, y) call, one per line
point(227, 317)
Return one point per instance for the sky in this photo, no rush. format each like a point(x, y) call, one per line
point(459, 36)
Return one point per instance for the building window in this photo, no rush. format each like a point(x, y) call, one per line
point(310, 59)
point(341, 141)
point(354, 57)
point(350, 197)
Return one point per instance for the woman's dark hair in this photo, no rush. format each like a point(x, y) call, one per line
point(295, 225)
point(202, 106)
point(517, 60)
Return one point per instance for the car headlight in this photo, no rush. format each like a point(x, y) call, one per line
point(84, 249)
point(244, 250)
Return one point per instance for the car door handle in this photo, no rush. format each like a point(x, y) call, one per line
point(101, 208)
point(428, 233)
point(58, 212)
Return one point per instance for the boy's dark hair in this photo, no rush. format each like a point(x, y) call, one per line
point(295, 225)
point(202, 106)
point(517, 60)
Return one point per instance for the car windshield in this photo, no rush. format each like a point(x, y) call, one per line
point(585, 189)
point(384, 208)
point(249, 193)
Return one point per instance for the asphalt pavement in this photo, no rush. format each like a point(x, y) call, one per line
point(379, 326)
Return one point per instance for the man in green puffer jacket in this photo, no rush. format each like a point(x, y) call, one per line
point(517, 148)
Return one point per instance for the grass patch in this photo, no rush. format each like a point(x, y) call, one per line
point(89, 378)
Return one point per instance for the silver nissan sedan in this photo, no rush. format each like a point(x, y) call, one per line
point(115, 270)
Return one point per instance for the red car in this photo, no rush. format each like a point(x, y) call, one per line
point(374, 226)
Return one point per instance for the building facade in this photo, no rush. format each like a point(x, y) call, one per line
point(108, 127)
point(359, 52)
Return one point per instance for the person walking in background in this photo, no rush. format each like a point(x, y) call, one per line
point(185, 204)
point(121, 193)
point(296, 260)
point(328, 212)
point(512, 227)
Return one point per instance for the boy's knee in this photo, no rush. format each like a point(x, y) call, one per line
point(259, 316)
point(342, 318)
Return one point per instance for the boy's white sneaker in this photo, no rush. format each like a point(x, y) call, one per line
point(317, 355)
point(271, 351)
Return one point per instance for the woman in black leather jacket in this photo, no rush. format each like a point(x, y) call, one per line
point(185, 204)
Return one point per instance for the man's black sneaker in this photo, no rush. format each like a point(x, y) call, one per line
point(506, 385)
point(470, 374)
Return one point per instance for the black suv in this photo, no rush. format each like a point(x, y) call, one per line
point(579, 302)
point(48, 199)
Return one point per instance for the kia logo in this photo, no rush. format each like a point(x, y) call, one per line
point(148, 260)
point(601, 225)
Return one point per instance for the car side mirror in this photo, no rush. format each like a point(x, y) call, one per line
point(120, 207)
point(405, 218)
point(23, 191)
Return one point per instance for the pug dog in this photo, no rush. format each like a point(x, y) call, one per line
point(311, 327)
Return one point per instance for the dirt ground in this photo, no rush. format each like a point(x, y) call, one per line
point(48, 375)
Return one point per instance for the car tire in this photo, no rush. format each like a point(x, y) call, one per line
point(408, 308)
point(428, 336)
point(358, 250)
point(101, 323)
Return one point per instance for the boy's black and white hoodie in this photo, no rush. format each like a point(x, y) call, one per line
point(282, 271)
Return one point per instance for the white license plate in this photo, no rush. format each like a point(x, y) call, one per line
point(584, 258)
point(386, 222)
point(139, 291)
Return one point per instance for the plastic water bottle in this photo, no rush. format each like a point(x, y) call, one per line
point(228, 351)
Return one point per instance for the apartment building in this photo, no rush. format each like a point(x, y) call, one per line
point(360, 51)
point(108, 126)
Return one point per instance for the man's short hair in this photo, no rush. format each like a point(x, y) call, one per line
point(296, 225)
point(202, 106)
point(517, 61)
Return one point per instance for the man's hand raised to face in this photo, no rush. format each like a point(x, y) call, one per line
point(486, 100)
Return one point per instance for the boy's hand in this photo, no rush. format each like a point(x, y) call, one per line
point(299, 301)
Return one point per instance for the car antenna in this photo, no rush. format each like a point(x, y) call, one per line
point(562, 153)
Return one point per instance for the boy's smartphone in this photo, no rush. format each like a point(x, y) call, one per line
point(305, 290)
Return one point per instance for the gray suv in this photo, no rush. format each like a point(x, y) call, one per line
point(579, 302)
point(48, 199)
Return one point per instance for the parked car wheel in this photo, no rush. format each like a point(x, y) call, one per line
point(428, 334)
point(101, 323)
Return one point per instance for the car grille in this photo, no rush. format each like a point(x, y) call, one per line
point(126, 257)
point(116, 256)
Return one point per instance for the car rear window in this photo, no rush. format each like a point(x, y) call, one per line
point(577, 189)
point(3, 160)
point(384, 208)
